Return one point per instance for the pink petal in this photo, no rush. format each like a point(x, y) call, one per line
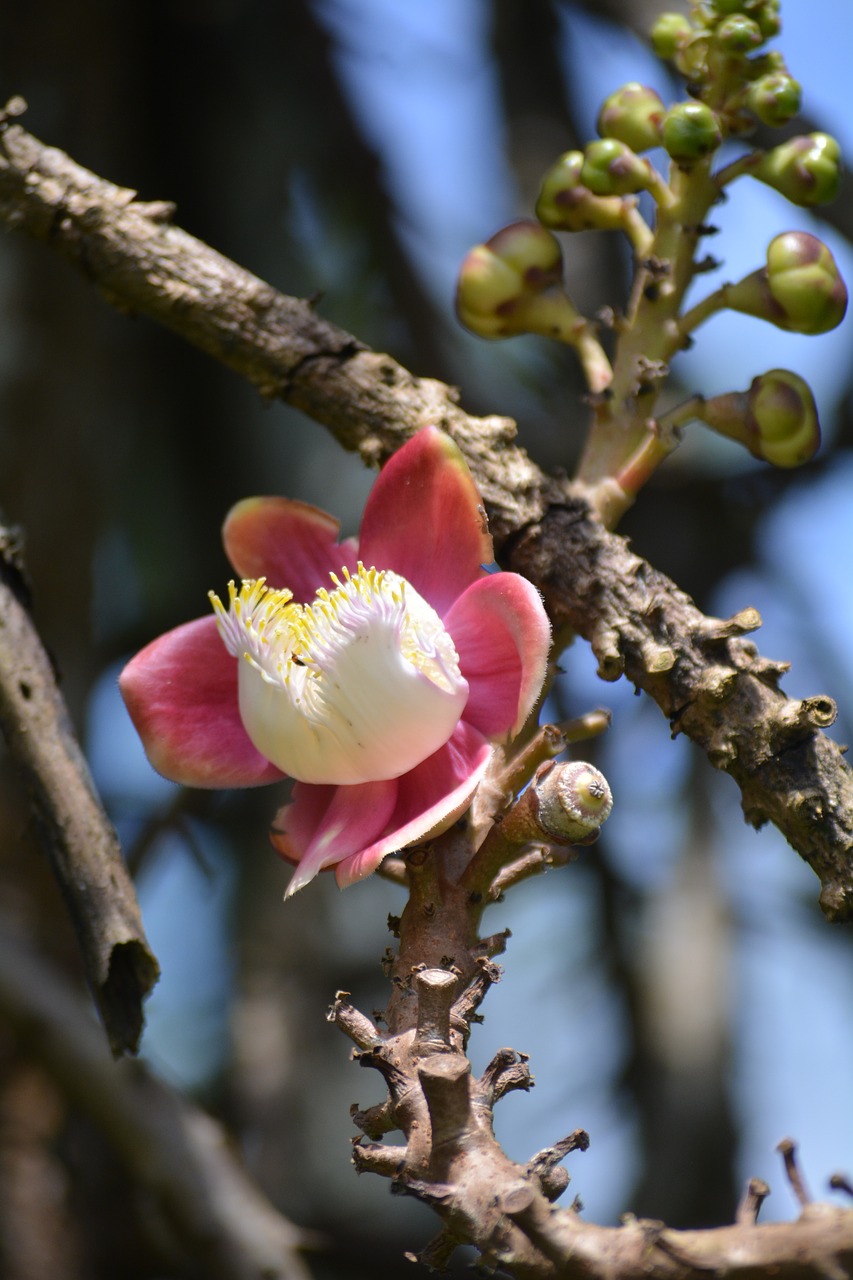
point(357, 826)
point(290, 543)
point(181, 692)
point(429, 799)
point(502, 635)
point(324, 823)
point(424, 520)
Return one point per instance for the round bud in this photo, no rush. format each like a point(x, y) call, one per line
point(690, 131)
point(632, 115)
point(573, 801)
point(806, 169)
point(670, 34)
point(565, 204)
point(767, 17)
point(805, 282)
point(498, 277)
point(738, 34)
point(782, 419)
point(774, 98)
point(610, 168)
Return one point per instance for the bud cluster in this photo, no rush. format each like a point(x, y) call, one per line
point(513, 283)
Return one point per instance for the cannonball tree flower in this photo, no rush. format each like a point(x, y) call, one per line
point(377, 673)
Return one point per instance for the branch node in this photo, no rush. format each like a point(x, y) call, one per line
point(755, 1193)
point(435, 990)
point(787, 1149)
point(445, 1080)
point(356, 1025)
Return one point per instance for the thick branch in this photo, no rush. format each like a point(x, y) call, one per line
point(707, 680)
point(206, 1206)
point(80, 839)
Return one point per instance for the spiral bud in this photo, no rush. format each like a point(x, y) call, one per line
point(565, 204)
point(800, 289)
point(670, 33)
point(632, 115)
point(610, 168)
point(738, 34)
point(573, 801)
point(806, 169)
point(774, 98)
point(776, 419)
point(690, 131)
point(513, 284)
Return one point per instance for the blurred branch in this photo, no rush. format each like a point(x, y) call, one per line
point(705, 676)
point(215, 1219)
point(79, 838)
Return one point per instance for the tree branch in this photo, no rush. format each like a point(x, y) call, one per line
point(206, 1206)
point(79, 837)
point(706, 678)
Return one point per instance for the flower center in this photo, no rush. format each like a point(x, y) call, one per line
point(360, 686)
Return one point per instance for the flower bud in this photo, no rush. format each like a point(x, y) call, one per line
point(511, 285)
point(690, 131)
point(774, 98)
point(776, 419)
point(565, 204)
point(800, 289)
point(805, 282)
point(767, 17)
point(573, 801)
point(632, 115)
point(738, 34)
point(806, 169)
point(670, 34)
point(610, 168)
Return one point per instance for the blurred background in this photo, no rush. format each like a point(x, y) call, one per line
point(679, 993)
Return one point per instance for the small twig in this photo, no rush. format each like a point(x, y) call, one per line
point(753, 1198)
point(840, 1182)
point(787, 1149)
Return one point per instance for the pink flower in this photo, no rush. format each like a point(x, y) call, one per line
point(380, 690)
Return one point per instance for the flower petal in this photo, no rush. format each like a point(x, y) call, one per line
point(429, 799)
point(424, 519)
point(356, 827)
point(502, 636)
point(181, 692)
point(290, 543)
point(326, 822)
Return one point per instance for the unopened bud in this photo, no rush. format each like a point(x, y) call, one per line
point(800, 289)
point(806, 169)
point(612, 169)
point(632, 115)
point(670, 33)
point(776, 419)
point(774, 98)
point(690, 131)
point(565, 204)
point(512, 284)
point(573, 801)
point(738, 34)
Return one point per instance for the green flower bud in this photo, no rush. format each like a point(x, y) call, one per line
point(498, 279)
point(805, 281)
point(774, 98)
point(738, 34)
point(800, 290)
point(776, 419)
point(632, 115)
point(806, 169)
point(670, 34)
point(565, 204)
point(768, 19)
point(690, 131)
point(724, 7)
point(782, 419)
point(513, 284)
point(611, 169)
